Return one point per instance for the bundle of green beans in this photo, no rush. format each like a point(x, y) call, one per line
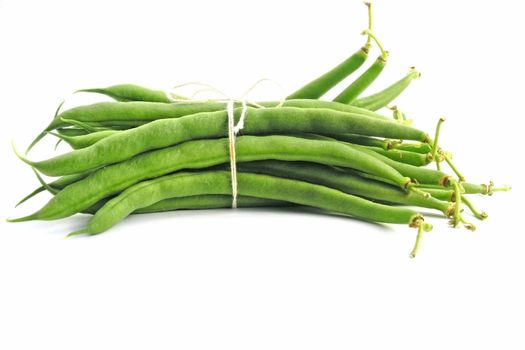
point(151, 151)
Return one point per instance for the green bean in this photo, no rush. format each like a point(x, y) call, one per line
point(83, 141)
point(406, 157)
point(206, 153)
point(210, 201)
point(486, 189)
point(386, 150)
point(419, 147)
point(106, 117)
point(344, 181)
point(440, 193)
point(384, 97)
point(117, 125)
point(412, 158)
point(359, 85)
point(254, 185)
point(164, 133)
point(386, 144)
point(72, 131)
point(336, 106)
point(125, 115)
point(420, 174)
point(134, 111)
point(96, 126)
point(131, 92)
point(318, 87)
point(364, 140)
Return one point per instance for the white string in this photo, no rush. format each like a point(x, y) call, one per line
point(233, 129)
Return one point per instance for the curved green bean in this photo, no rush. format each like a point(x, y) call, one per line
point(412, 158)
point(384, 97)
point(359, 85)
point(344, 181)
point(206, 153)
point(131, 92)
point(83, 141)
point(318, 87)
point(420, 174)
point(164, 133)
point(209, 201)
point(262, 186)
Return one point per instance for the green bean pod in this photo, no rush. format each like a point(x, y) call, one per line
point(442, 194)
point(201, 154)
point(384, 97)
point(72, 131)
point(123, 112)
point(131, 113)
point(416, 147)
point(125, 115)
point(420, 174)
point(210, 201)
point(255, 185)
point(412, 158)
point(318, 87)
point(83, 141)
point(406, 157)
point(164, 133)
point(344, 181)
point(386, 144)
point(359, 85)
point(131, 92)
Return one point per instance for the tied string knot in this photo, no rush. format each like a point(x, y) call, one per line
point(233, 129)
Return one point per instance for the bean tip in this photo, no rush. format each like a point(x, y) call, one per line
point(76, 233)
point(22, 219)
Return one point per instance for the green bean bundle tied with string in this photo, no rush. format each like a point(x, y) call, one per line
point(151, 150)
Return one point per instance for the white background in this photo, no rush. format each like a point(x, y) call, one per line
point(261, 279)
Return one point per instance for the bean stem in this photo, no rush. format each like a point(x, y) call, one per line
point(422, 227)
point(435, 146)
point(453, 167)
point(479, 215)
point(369, 39)
point(384, 53)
